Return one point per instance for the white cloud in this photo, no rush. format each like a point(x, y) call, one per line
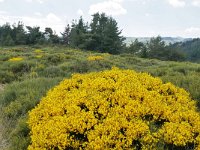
point(2, 0)
point(117, 1)
point(192, 29)
point(80, 12)
point(3, 12)
point(192, 32)
point(177, 3)
point(50, 20)
point(196, 3)
point(110, 7)
point(147, 14)
point(39, 1)
point(38, 14)
point(53, 17)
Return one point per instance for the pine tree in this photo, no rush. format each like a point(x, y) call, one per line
point(135, 47)
point(19, 34)
point(34, 35)
point(78, 34)
point(105, 34)
point(6, 35)
point(66, 35)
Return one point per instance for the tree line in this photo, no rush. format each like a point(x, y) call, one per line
point(191, 49)
point(102, 34)
point(156, 48)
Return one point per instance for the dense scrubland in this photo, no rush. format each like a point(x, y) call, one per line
point(27, 73)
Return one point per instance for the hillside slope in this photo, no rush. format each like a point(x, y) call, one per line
point(29, 72)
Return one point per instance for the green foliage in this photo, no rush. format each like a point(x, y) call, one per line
point(50, 36)
point(11, 71)
point(53, 58)
point(191, 48)
point(102, 35)
point(105, 35)
point(5, 35)
point(17, 99)
point(7, 77)
point(34, 35)
point(136, 47)
point(78, 34)
point(156, 48)
point(86, 66)
point(66, 35)
point(19, 34)
point(53, 71)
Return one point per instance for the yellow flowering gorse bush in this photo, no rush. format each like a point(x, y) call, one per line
point(116, 109)
point(16, 59)
point(38, 51)
point(93, 58)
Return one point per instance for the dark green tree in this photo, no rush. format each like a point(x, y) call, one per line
point(105, 35)
point(48, 32)
point(34, 35)
point(66, 35)
point(19, 34)
point(174, 53)
point(50, 36)
point(155, 47)
point(135, 47)
point(78, 34)
point(6, 35)
point(191, 48)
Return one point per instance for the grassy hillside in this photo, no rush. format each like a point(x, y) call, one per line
point(27, 73)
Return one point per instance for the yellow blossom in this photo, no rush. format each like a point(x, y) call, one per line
point(93, 58)
point(114, 109)
point(38, 51)
point(16, 59)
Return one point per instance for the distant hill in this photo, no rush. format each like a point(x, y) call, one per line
point(166, 39)
point(191, 48)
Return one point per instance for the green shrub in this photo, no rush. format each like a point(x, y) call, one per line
point(53, 71)
point(7, 76)
point(16, 100)
point(4, 57)
point(21, 67)
point(88, 66)
point(53, 58)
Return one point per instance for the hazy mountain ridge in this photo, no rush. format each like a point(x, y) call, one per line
point(167, 40)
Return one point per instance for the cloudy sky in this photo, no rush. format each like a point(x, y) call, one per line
point(138, 18)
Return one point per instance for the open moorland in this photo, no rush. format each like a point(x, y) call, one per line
point(27, 73)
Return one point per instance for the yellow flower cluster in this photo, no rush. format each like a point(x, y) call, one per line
point(38, 51)
point(94, 58)
point(38, 56)
point(115, 109)
point(16, 59)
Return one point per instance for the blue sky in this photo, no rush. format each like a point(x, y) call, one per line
point(137, 18)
